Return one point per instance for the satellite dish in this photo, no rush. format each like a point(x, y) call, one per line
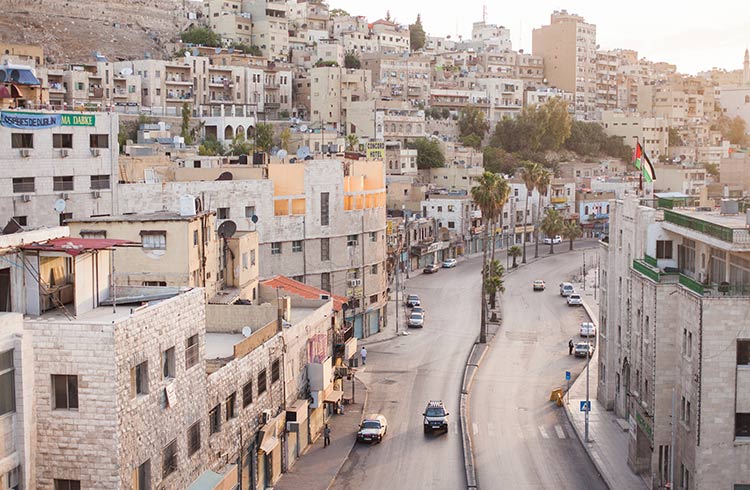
point(195, 52)
point(247, 331)
point(274, 151)
point(127, 71)
point(217, 50)
point(187, 54)
point(303, 128)
point(60, 205)
point(227, 229)
point(230, 50)
point(303, 152)
point(225, 176)
point(282, 154)
point(254, 219)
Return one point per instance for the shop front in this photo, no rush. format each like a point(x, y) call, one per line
point(269, 451)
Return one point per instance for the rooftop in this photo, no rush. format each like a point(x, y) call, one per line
point(76, 246)
point(221, 345)
point(140, 217)
point(304, 290)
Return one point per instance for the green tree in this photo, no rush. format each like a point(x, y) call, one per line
point(351, 60)
point(185, 127)
point(328, 63)
point(712, 169)
point(499, 161)
point(264, 137)
point(552, 225)
point(339, 13)
point(211, 147)
point(471, 122)
point(284, 137)
point(472, 141)
point(445, 112)
point(674, 138)
point(542, 184)
point(202, 36)
point(255, 51)
point(352, 142)
point(417, 37)
point(571, 230)
point(530, 175)
point(284, 114)
point(514, 252)
point(735, 132)
point(240, 146)
point(554, 122)
point(429, 153)
point(494, 281)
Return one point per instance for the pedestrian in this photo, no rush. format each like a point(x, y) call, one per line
point(363, 355)
point(326, 436)
point(570, 347)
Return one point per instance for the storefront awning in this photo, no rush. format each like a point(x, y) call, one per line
point(269, 443)
point(334, 396)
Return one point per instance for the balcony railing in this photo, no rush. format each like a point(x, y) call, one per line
point(650, 272)
point(717, 231)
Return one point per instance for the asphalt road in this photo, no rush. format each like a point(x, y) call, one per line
point(403, 374)
point(521, 439)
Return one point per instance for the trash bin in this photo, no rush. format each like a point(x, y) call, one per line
point(354, 362)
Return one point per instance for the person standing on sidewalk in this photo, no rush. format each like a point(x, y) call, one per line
point(363, 355)
point(570, 347)
point(326, 436)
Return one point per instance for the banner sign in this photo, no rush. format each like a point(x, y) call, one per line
point(375, 150)
point(32, 120)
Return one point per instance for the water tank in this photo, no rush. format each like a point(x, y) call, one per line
point(187, 205)
point(729, 206)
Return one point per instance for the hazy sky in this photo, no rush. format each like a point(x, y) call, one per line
point(693, 35)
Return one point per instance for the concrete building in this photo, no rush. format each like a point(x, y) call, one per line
point(456, 214)
point(651, 132)
point(685, 179)
point(57, 156)
point(568, 47)
point(736, 170)
point(332, 89)
point(735, 102)
point(400, 160)
point(607, 67)
point(672, 330)
point(385, 120)
point(592, 208)
point(400, 77)
point(488, 37)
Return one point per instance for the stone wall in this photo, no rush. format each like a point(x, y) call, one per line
point(233, 318)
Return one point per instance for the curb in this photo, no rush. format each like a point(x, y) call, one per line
point(343, 461)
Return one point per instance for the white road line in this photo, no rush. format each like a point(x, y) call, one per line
point(455, 429)
point(475, 428)
point(560, 432)
point(543, 432)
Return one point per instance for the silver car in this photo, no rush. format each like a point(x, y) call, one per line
point(416, 320)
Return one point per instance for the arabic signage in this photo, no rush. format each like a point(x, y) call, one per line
point(375, 150)
point(35, 120)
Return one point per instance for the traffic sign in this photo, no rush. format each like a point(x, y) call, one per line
point(585, 406)
point(567, 375)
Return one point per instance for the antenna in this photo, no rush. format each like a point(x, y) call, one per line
point(484, 13)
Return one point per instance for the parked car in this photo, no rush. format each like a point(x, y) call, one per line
point(566, 289)
point(416, 320)
point(418, 309)
point(412, 300)
point(582, 348)
point(449, 263)
point(539, 285)
point(435, 417)
point(575, 300)
point(431, 269)
point(373, 428)
point(556, 239)
point(588, 329)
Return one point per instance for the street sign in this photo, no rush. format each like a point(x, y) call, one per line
point(567, 375)
point(585, 406)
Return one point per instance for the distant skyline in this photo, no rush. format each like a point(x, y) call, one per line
point(692, 35)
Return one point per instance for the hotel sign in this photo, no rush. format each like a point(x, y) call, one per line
point(375, 150)
point(37, 120)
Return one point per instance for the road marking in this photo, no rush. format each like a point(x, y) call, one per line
point(455, 429)
point(543, 432)
point(475, 428)
point(560, 432)
point(570, 433)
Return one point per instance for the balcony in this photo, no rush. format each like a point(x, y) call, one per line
point(559, 200)
point(737, 236)
point(177, 80)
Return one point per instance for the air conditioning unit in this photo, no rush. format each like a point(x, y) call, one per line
point(26, 197)
point(355, 283)
point(64, 196)
point(96, 194)
point(292, 427)
point(64, 152)
point(25, 152)
point(95, 152)
point(264, 416)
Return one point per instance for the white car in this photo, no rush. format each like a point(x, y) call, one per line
point(588, 329)
point(449, 263)
point(583, 348)
point(373, 428)
point(416, 319)
point(575, 300)
point(557, 239)
point(566, 289)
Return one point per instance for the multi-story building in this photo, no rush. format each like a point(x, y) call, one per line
point(400, 77)
point(332, 89)
point(385, 120)
point(400, 160)
point(684, 179)
point(672, 340)
point(453, 213)
point(568, 47)
point(505, 97)
point(58, 166)
point(651, 132)
point(592, 208)
point(391, 37)
point(539, 95)
point(487, 37)
point(607, 66)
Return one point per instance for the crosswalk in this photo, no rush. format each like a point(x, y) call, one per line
point(490, 431)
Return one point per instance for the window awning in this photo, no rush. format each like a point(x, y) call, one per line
point(269, 443)
point(334, 396)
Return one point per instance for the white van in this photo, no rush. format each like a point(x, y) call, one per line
point(566, 289)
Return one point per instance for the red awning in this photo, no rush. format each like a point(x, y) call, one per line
point(4, 92)
point(76, 246)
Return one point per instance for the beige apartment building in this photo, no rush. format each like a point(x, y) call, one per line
point(607, 87)
point(651, 132)
point(400, 77)
point(332, 89)
point(568, 47)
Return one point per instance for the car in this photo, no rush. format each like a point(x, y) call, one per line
point(412, 300)
point(435, 417)
point(415, 320)
point(418, 309)
point(566, 289)
point(582, 348)
point(575, 300)
point(449, 263)
point(549, 241)
point(539, 285)
point(588, 329)
point(372, 428)
point(431, 268)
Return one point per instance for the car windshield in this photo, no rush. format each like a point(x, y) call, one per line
point(413, 298)
point(435, 412)
point(416, 316)
point(370, 424)
point(582, 346)
point(574, 296)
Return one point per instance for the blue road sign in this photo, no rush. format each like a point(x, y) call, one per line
point(567, 375)
point(585, 406)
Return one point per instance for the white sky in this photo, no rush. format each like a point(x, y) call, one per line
point(693, 35)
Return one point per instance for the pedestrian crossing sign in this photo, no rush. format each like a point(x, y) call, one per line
point(585, 406)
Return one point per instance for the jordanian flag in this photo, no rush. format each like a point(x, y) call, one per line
point(643, 163)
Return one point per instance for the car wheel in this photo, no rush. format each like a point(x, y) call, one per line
point(426, 430)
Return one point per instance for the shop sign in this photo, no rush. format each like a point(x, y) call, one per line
point(375, 150)
point(28, 120)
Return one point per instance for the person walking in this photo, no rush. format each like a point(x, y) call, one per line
point(326, 436)
point(363, 355)
point(570, 347)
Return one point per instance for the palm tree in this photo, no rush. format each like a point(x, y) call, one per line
point(502, 192)
point(542, 183)
point(494, 281)
point(530, 175)
point(352, 142)
point(514, 252)
point(552, 225)
point(571, 231)
point(485, 196)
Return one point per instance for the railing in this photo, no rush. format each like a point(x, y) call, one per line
point(691, 284)
point(643, 268)
point(649, 260)
point(717, 231)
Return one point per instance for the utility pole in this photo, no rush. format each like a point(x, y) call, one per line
point(398, 303)
point(671, 449)
point(584, 270)
point(588, 401)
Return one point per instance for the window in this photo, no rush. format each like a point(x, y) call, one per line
point(373, 236)
point(21, 220)
point(687, 413)
point(67, 484)
point(247, 394)
point(153, 240)
point(195, 238)
point(275, 371)
point(63, 183)
point(23, 184)
point(22, 140)
point(169, 459)
point(351, 240)
point(231, 404)
point(167, 363)
point(325, 249)
point(451, 225)
point(222, 213)
point(374, 269)
point(191, 351)
point(62, 140)
point(65, 391)
point(324, 209)
point(743, 352)
point(297, 246)
point(139, 379)
point(245, 261)
point(142, 476)
point(252, 257)
point(7, 383)
point(99, 141)
point(249, 211)
point(99, 182)
point(194, 438)
point(325, 281)
point(664, 249)
point(373, 299)
point(690, 344)
point(262, 386)
point(214, 419)
point(155, 283)
point(276, 248)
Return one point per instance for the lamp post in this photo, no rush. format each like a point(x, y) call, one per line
point(588, 400)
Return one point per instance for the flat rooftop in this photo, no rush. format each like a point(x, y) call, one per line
point(221, 345)
point(139, 217)
point(300, 313)
point(733, 221)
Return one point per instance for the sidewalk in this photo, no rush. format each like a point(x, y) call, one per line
point(608, 434)
point(318, 466)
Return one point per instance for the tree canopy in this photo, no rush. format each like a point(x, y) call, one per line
point(339, 13)
point(203, 36)
point(472, 126)
point(417, 36)
point(429, 153)
point(211, 147)
point(733, 129)
point(264, 136)
point(351, 60)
